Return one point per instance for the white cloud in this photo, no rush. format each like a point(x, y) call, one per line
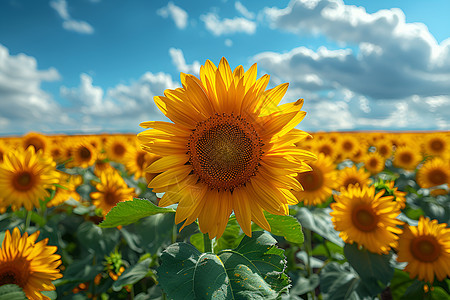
point(228, 43)
point(70, 24)
point(243, 10)
point(227, 26)
point(23, 104)
point(121, 107)
point(178, 15)
point(180, 63)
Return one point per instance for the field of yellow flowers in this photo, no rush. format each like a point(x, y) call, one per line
point(79, 221)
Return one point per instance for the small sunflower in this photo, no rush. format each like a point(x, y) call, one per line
point(433, 173)
point(426, 249)
point(366, 219)
point(347, 146)
point(137, 160)
point(30, 265)
point(111, 190)
point(325, 146)
point(373, 162)
point(37, 140)
point(353, 176)
point(231, 147)
point(406, 157)
point(436, 144)
point(83, 154)
point(116, 148)
point(318, 184)
point(70, 184)
point(25, 177)
point(383, 147)
point(101, 164)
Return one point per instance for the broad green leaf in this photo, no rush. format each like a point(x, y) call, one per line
point(374, 270)
point(128, 212)
point(197, 241)
point(338, 282)
point(132, 274)
point(319, 221)
point(304, 285)
point(254, 270)
point(399, 283)
point(315, 262)
point(12, 292)
point(285, 226)
point(156, 232)
point(101, 240)
point(414, 291)
point(439, 293)
point(230, 238)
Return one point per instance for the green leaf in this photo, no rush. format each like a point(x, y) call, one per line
point(101, 240)
point(254, 270)
point(128, 212)
point(305, 285)
point(230, 238)
point(285, 226)
point(439, 293)
point(374, 270)
point(338, 282)
point(11, 292)
point(155, 232)
point(319, 221)
point(414, 291)
point(399, 283)
point(132, 275)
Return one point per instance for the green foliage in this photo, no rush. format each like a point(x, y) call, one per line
point(253, 270)
point(128, 212)
point(132, 275)
point(11, 292)
point(285, 226)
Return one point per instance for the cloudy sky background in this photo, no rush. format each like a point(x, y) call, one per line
point(91, 66)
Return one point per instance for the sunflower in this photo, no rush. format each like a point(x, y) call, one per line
point(116, 148)
point(24, 178)
point(433, 173)
point(28, 264)
point(347, 146)
point(426, 249)
point(83, 154)
point(230, 148)
point(373, 162)
point(70, 184)
point(366, 219)
point(383, 147)
point(318, 184)
point(353, 176)
point(3, 150)
point(406, 157)
point(111, 190)
point(325, 146)
point(37, 140)
point(137, 160)
point(436, 144)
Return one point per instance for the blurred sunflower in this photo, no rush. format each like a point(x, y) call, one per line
point(399, 195)
point(353, 176)
point(24, 178)
point(436, 144)
point(70, 184)
point(426, 249)
point(30, 265)
point(347, 146)
point(137, 160)
point(116, 148)
point(366, 219)
point(325, 146)
point(3, 150)
point(111, 190)
point(37, 140)
point(407, 157)
point(383, 147)
point(230, 148)
point(83, 154)
point(433, 173)
point(101, 164)
point(318, 184)
point(373, 162)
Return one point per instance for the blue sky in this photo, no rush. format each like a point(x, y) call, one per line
point(90, 66)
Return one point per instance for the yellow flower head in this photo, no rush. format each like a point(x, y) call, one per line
point(374, 162)
point(353, 176)
point(433, 173)
point(436, 144)
point(25, 177)
point(230, 148)
point(83, 154)
point(30, 265)
point(37, 140)
point(407, 157)
point(116, 148)
point(426, 249)
point(366, 219)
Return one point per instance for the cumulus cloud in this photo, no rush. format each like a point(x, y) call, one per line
point(121, 107)
point(178, 15)
point(243, 10)
point(60, 6)
point(391, 80)
point(180, 63)
point(23, 104)
point(225, 26)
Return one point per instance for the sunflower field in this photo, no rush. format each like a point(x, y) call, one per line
point(228, 200)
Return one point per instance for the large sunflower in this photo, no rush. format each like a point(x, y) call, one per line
point(111, 190)
point(366, 218)
point(30, 265)
point(230, 148)
point(433, 173)
point(25, 177)
point(318, 184)
point(426, 249)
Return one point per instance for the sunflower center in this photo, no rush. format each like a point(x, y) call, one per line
point(119, 149)
point(225, 151)
point(383, 150)
point(364, 218)
point(37, 143)
point(326, 149)
point(312, 180)
point(406, 158)
point(15, 272)
point(23, 181)
point(425, 248)
point(85, 153)
point(347, 146)
point(437, 177)
point(437, 145)
point(111, 198)
point(350, 181)
point(373, 162)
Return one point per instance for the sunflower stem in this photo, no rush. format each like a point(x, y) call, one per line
point(207, 243)
point(27, 221)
